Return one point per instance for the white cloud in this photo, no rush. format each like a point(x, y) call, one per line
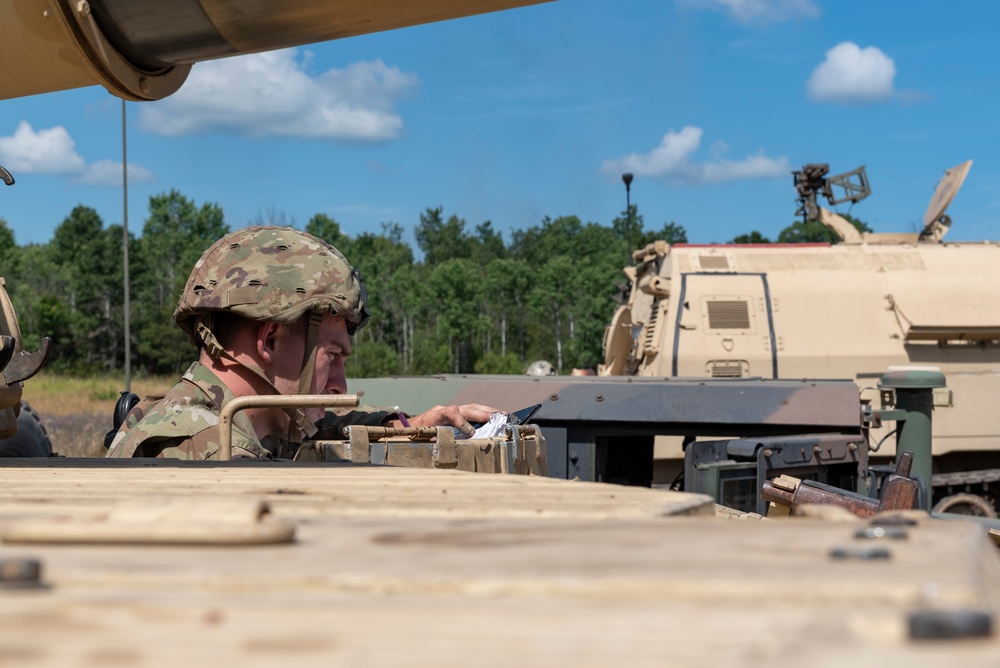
point(671, 160)
point(49, 151)
point(53, 152)
point(758, 12)
point(272, 95)
point(109, 173)
point(852, 75)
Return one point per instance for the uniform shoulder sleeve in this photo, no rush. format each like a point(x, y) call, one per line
point(203, 445)
point(181, 426)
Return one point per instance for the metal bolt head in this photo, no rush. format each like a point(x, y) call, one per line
point(20, 574)
point(83, 7)
point(894, 521)
point(877, 532)
point(599, 398)
point(864, 554)
point(553, 397)
point(949, 624)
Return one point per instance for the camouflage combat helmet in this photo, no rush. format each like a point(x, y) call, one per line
point(275, 274)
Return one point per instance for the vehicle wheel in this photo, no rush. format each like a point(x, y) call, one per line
point(965, 504)
point(31, 439)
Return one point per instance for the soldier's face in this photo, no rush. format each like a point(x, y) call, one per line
point(333, 345)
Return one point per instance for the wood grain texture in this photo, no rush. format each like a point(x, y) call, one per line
point(423, 567)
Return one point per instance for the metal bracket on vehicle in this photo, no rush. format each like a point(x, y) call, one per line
point(238, 404)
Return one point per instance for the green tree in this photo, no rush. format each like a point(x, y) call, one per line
point(551, 301)
point(89, 261)
point(452, 295)
point(670, 232)
point(754, 237)
point(31, 278)
point(813, 231)
point(572, 267)
point(487, 244)
point(495, 363)
point(385, 261)
point(505, 289)
point(441, 240)
point(328, 229)
point(472, 303)
point(174, 236)
point(8, 247)
point(372, 359)
point(629, 228)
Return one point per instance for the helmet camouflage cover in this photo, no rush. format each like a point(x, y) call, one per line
point(276, 274)
point(540, 368)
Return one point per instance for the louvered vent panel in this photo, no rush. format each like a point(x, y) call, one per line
point(726, 369)
point(728, 314)
point(714, 262)
point(649, 335)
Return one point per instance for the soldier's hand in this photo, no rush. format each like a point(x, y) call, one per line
point(458, 417)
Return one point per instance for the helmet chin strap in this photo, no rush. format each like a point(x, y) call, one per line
point(298, 423)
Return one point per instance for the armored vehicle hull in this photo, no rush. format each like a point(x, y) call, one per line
point(829, 311)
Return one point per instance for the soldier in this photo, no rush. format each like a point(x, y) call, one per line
point(271, 310)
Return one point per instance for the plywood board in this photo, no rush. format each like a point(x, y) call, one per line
point(431, 568)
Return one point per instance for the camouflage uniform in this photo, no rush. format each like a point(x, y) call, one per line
point(184, 424)
point(269, 274)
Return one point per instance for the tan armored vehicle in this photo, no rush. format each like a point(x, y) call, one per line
point(848, 310)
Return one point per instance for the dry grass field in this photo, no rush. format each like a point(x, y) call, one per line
point(77, 412)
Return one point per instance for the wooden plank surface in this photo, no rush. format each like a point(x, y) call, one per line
point(430, 568)
point(339, 489)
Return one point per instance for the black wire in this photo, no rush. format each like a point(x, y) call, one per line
point(882, 440)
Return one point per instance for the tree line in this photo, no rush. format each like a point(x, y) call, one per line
point(472, 303)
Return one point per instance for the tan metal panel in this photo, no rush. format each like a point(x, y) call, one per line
point(50, 45)
point(260, 25)
point(38, 55)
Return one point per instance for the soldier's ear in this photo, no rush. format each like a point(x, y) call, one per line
point(266, 335)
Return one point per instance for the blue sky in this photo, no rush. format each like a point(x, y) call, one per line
point(516, 115)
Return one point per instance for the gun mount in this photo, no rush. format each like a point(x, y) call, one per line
point(812, 181)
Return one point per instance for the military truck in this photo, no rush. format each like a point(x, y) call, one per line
point(845, 310)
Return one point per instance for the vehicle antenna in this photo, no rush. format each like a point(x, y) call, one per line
point(127, 305)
